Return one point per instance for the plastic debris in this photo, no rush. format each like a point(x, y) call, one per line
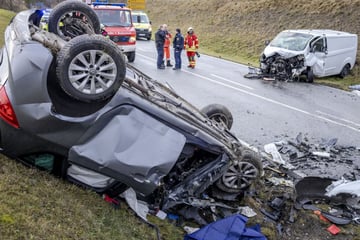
point(321, 154)
point(139, 207)
point(272, 150)
point(247, 211)
point(281, 181)
point(190, 230)
point(343, 187)
point(161, 214)
point(355, 87)
point(333, 229)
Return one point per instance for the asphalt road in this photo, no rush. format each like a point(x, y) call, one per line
point(263, 112)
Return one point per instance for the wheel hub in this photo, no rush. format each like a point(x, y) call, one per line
point(92, 71)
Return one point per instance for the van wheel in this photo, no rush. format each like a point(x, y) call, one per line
point(90, 68)
point(310, 76)
point(219, 113)
point(345, 71)
point(73, 18)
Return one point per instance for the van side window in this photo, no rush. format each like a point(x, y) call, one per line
point(319, 45)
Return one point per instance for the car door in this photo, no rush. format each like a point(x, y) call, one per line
point(318, 52)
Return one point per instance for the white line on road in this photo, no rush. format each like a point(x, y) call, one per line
point(341, 119)
point(275, 102)
point(236, 83)
point(268, 99)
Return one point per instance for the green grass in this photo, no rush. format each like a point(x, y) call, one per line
point(5, 17)
point(36, 205)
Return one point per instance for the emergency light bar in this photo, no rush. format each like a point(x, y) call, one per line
point(108, 4)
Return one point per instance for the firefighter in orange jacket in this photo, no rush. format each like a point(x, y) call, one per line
point(167, 46)
point(191, 45)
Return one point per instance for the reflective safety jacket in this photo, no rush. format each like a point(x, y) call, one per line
point(167, 40)
point(191, 42)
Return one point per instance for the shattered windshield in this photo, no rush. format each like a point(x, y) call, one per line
point(114, 17)
point(291, 41)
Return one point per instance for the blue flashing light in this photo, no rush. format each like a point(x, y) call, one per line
point(108, 4)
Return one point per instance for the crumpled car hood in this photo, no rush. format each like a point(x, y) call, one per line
point(270, 51)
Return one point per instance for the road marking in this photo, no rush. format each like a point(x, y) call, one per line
point(268, 99)
point(341, 119)
point(276, 102)
point(236, 83)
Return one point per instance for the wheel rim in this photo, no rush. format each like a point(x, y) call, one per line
point(73, 24)
point(92, 72)
point(240, 176)
point(220, 118)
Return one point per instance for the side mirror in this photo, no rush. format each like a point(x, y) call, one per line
point(267, 42)
point(150, 22)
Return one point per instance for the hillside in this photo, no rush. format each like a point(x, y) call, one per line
point(237, 30)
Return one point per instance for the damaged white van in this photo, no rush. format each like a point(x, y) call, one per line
point(319, 53)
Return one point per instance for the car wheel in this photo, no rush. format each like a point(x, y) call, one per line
point(90, 68)
point(148, 38)
point(310, 76)
point(241, 174)
point(219, 113)
point(345, 71)
point(131, 56)
point(73, 18)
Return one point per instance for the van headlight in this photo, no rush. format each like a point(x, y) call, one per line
point(132, 39)
point(150, 29)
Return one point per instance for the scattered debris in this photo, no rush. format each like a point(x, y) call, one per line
point(333, 229)
point(272, 149)
point(281, 181)
point(139, 207)
point(355, 87)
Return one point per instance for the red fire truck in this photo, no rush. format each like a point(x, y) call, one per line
point(117, 21)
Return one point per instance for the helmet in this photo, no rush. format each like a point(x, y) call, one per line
point(102, 26)
point(190, 29)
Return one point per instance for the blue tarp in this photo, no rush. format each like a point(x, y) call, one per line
point(230, 228)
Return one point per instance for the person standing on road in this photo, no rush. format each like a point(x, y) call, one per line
point(167, 46)
point(159, 42)
point(191, 46)
point(178, 44)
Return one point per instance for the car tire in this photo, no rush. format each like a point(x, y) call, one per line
point(131, 56)
point(219, 113)
point(345, 71)
point(241, 174)
point(310, 76)
point(66, 20)
point(90, 68)
point(148, 38)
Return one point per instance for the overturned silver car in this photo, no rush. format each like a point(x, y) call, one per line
point(70, 104)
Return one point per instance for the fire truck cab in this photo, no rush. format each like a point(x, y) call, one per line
point(117, 21)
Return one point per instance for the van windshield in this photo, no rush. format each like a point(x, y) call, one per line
point(291, 41)
point(114, 18)
point(139, 18)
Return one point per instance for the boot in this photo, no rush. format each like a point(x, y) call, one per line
point(168, 64)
